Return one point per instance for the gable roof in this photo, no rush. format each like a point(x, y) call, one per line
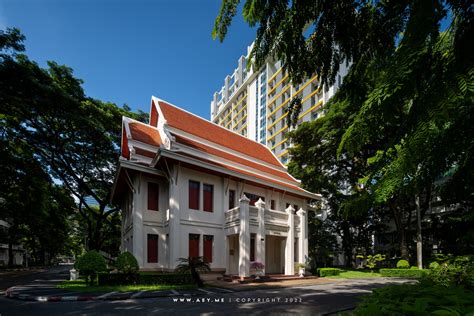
point(195, 125)
point(180, 133)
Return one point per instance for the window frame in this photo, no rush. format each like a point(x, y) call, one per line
point(211, 186)
point(198, 195)
point(152, 183)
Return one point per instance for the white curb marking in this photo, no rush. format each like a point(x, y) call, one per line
point(106, 295)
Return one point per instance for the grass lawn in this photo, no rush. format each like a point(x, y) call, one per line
point(355, 274)
point(80, 286)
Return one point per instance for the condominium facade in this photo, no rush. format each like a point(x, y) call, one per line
point(253, 102)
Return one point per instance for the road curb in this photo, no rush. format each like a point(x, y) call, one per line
point(13, 294)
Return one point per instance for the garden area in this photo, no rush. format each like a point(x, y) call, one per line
point(123, 275)
point(445, 288)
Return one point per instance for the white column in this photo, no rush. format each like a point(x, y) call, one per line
point(290, 241)
point(174, 221)
point(260, 240)
point(244, 238)
point(302, 238)
point(139, 241)
point(226, 89)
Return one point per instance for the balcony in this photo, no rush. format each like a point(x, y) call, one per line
point(273, 219)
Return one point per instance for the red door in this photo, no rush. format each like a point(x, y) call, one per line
point(208, 248)
point(193, 245)
point(152, 247)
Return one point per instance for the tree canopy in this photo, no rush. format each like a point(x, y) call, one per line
point(400, 126)
point(72, 138)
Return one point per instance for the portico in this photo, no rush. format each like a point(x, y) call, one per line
point(279, 237)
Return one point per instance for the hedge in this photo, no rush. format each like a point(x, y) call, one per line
point(147, 279)
point(403, 273)
point(322, 272)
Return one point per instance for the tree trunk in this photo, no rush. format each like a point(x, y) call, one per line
point(419, 245)
point(398, 218)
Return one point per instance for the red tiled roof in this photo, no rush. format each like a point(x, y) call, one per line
point(200, 127)
point(145, 134)
point(222, 154)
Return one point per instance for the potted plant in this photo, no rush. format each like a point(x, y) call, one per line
point(301, 269)
point(258, 266)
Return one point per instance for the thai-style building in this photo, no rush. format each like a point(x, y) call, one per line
point(189, 187)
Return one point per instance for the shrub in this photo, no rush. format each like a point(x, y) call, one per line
point(90, 264)
point(256, 265)
point(323, 272)
point(417, 299)
point(147, 279)
point(434, 265)
point(403, 273)
point(453, 271)
point(372, 260)
point(403, 264)
point(127, 265)
point(413, 268)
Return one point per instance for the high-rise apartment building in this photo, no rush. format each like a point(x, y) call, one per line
point(253, 103)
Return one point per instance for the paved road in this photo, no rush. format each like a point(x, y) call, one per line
point(303, 300)
point(13, 278)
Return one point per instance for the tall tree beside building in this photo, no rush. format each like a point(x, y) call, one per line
point(74, 138)
point(409, 89)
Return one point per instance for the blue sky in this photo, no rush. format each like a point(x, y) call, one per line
point(126, 50)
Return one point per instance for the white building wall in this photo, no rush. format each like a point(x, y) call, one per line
point(174, 220)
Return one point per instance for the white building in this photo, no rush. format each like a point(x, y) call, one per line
point(189, 187)
point(253, 103)
point(17, 250)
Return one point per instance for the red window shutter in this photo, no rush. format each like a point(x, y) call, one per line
point(194, 195)
point(153, 196)
point(208, 240)
point(193, 245)
point(152, 248)
point(252, 249)
point(208, 197)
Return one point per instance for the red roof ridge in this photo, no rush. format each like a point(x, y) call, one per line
point(224, 129)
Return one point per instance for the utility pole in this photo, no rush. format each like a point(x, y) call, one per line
point(419, 245)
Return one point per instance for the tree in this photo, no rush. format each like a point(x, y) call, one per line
point(90, 264)
point(411, 122)
point(73, 137)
